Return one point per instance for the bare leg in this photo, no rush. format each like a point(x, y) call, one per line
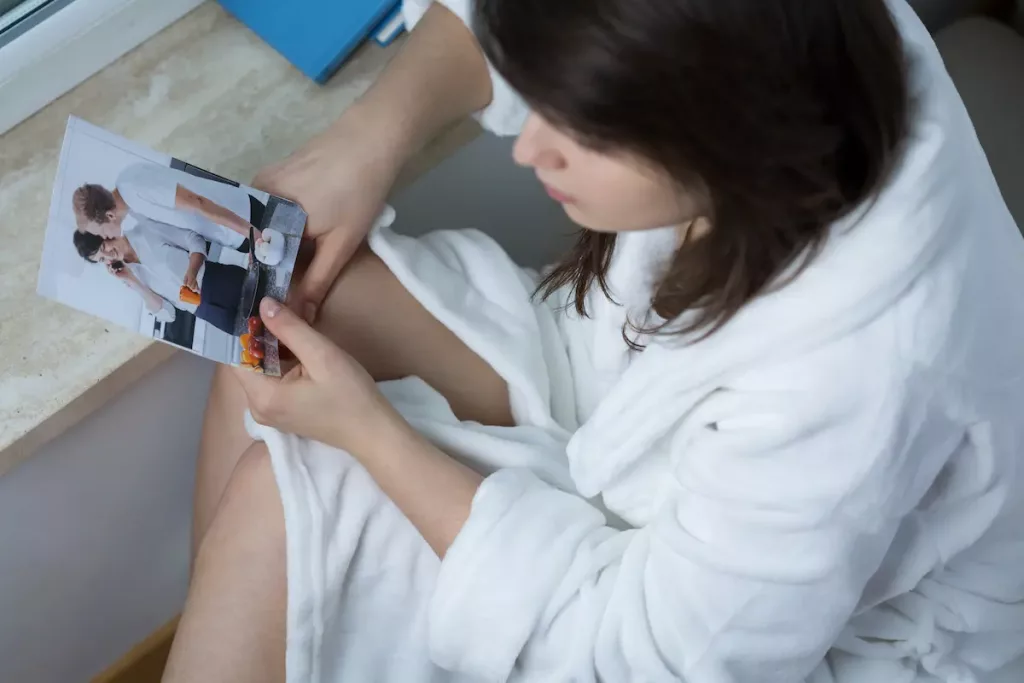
point(233, 626)
point(223, 442)
point(370, 315)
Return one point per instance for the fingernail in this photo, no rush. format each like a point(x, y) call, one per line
point(271, 307)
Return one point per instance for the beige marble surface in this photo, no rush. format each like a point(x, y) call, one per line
point(205, 90)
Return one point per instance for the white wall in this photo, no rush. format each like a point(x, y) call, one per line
point(94, 530)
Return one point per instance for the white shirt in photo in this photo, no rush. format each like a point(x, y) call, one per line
point(164, 252)
point(149, 190)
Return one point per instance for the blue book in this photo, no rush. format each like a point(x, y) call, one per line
point(314, 35)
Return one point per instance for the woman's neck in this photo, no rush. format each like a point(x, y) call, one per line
point(130, 255)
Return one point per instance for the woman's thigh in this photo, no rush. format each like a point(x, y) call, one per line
point(374, 318)
point(371, 315)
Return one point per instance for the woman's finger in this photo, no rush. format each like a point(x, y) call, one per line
point(260, 391)
point(309, 346)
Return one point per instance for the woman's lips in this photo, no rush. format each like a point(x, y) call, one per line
point(558, 196)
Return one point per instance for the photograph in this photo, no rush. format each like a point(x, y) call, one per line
point(166, 249)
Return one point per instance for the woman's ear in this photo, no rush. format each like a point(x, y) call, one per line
point(111, 216)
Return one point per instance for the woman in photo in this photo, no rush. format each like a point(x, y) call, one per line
point(157, 261)
point(762, 425)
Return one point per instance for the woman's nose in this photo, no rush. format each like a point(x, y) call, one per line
point(535, 146)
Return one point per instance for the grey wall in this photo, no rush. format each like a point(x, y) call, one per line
point(481, 187)
point(939, 13)
point(94, 531)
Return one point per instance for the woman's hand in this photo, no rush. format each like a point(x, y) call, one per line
point(195, 262)
point(343, 176)
point(123, 274)
point(328, 397)
point(341, 181)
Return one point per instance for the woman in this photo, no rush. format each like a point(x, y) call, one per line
point(765, 427)
point(157, 261)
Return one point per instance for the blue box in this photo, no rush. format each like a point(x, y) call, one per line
point(314, 35)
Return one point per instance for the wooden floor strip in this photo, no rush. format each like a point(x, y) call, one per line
point(145, 662)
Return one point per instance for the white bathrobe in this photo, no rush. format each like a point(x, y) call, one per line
point(830, 488)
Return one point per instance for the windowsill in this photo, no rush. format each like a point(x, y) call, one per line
point(71, 44)
point(204, 89)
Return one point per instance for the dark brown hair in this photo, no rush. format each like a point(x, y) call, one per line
point(93, 202)
point(87, 244)
point(785, 114)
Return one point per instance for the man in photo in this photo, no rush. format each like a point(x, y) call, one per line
point(219, 212)
point(160, 262)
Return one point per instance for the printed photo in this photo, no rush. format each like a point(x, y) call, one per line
point(161, 247)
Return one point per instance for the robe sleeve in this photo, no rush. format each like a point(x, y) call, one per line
point(507, 112)
point(776, 512)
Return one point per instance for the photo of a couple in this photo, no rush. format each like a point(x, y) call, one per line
point(195, 251)
point(159, 259)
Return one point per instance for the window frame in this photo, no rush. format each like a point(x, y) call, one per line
point(68, 43)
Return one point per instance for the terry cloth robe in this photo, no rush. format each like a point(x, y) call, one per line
point(830, 488)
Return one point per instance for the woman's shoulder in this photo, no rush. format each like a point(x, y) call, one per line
point(956, 332)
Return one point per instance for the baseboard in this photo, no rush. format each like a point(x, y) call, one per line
point(145, 662)
point(54, 56)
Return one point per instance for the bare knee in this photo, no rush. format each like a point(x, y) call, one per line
point(223, 421)
point(253, 475)
point(250, 512)
point(224, 440)
point(233, 627)
point(226, 392)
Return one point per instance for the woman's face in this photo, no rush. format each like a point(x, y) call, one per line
point(602, 191)
point(111, 250)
